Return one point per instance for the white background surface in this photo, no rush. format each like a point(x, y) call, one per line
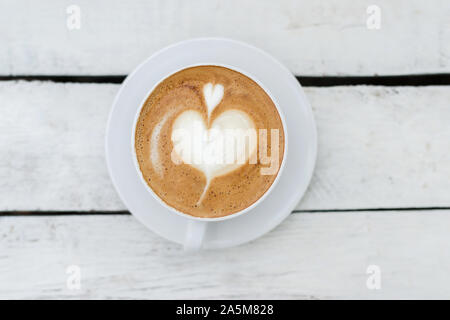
point(379, 147)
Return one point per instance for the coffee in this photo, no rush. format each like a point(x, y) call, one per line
point(209, 141)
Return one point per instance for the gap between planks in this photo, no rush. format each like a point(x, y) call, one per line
point(306, 81)
point(124, 212)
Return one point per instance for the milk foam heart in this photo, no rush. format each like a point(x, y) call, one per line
point(213, 95)
point(222, 148)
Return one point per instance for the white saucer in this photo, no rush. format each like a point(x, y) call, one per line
point(291, 100)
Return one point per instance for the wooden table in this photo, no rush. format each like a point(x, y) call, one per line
point(380, 195)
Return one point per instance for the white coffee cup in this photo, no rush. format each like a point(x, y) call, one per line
point(197, 226)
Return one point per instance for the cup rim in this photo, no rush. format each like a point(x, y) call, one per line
point(232, 215)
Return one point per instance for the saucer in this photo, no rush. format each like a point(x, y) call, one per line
point(300, 127)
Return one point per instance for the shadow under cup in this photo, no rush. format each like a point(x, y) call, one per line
point(211, 107)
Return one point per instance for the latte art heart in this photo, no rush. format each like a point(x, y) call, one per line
point(223, 147)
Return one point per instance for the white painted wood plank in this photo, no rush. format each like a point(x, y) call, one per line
point(315, 255)
point(378, 147)
point(310, 37)
point(52, 147)
point(381, 147)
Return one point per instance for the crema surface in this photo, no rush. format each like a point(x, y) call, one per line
point(176, 126)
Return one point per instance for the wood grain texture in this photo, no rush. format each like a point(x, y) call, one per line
point(378, 147)
point(310, 37)
point(309, 256)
